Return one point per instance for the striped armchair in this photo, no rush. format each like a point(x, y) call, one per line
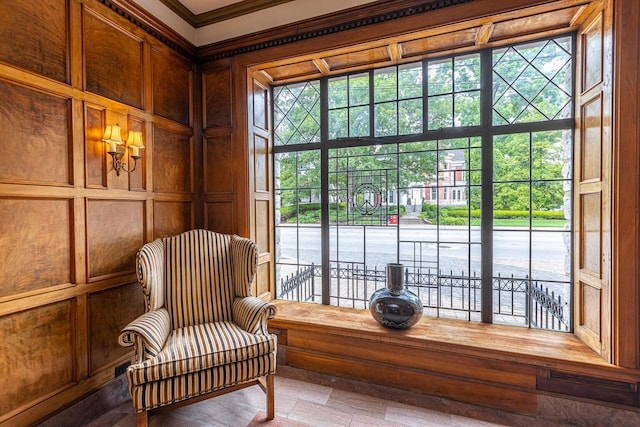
point(202, 333)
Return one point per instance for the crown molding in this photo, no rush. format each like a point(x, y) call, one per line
point(235, 10)
point(344, 20)
point(151, 25)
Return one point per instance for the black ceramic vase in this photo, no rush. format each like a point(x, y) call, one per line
point(394, 306)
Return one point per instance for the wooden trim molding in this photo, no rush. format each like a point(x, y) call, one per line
point(152, 26)
point(344, 20)
point(588, 387)
point(222, 13)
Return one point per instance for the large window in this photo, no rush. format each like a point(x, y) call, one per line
point(460, 168)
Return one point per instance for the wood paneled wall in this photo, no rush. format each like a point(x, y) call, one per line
point(69, 226)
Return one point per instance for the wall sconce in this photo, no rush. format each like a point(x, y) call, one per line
point(115, 147)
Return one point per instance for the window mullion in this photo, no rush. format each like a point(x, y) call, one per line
point(486, 229)
point(324, 191)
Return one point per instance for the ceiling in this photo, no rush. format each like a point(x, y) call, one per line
point(203, 22)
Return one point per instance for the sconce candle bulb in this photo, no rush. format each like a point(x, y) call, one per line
point(112, 138)
point(134, 142)
point(116, 149)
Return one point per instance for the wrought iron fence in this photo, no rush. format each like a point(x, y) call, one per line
point(516, 300)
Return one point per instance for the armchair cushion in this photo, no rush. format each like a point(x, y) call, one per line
point(148, 333)
point(199, 347)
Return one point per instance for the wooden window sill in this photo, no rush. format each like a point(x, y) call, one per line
point(537, 349)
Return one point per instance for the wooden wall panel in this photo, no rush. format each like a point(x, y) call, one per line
point(260, 175)
point(35, 244)
point(37, 354)
point(35, 137)
point(69, 226)
point(263, 220)
point(591, 294)
point(593, 291)
point(591, 139)
point(219, 217)
point(46, 54)
point(262, 280)
point(137, 178)
point(109, 312)
point(218, 158)
point(173, 152)
point(262, 161)
point(113, 60)
point(591, 234)
point(217, 97)
point(95, 149)
point(260, 105)
point(115, 231)
point(626, 176)
point(593, 42)
point(171, 218)
point(172, 81)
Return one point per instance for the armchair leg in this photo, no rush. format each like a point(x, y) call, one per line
point(270, 393)
point(142, 419)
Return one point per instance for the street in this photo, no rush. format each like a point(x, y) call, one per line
point(459, 248)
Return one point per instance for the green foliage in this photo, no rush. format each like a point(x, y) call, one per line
point(310, 213)
point(532, 82)
point(459, 215)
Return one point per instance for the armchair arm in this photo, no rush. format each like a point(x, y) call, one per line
point(251, 314)
point(147, 333)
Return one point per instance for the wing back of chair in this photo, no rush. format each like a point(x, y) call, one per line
point(244, 256)
point(198, 278)
point(150, 270)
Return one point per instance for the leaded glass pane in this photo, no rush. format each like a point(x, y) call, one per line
point(385, 84)
point(410, 81)
point(467, 73)
point(359, 89)
point(467, 109)
point(338, 93)
point(386, 119)
point(338, 123)
point(410, 117)
point(296, 113)
point(532, 82)
point(359, 121)
point(511, 157)
point(440, 111)
point(440, 74)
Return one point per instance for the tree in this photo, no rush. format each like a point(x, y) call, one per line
point(531, 82)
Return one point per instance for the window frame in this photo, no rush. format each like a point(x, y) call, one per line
point(485, 130)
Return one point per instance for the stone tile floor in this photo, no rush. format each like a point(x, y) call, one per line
point(305, 398)
point(298, 403)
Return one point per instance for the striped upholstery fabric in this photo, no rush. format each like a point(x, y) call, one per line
point(202, 331)
point(195, 348)
point(149, 267)
point(159, 393)
point(198, 275)
point(152, 329)
point(251, 314)
point(245, 259)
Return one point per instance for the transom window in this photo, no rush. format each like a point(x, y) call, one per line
point(459, 167)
